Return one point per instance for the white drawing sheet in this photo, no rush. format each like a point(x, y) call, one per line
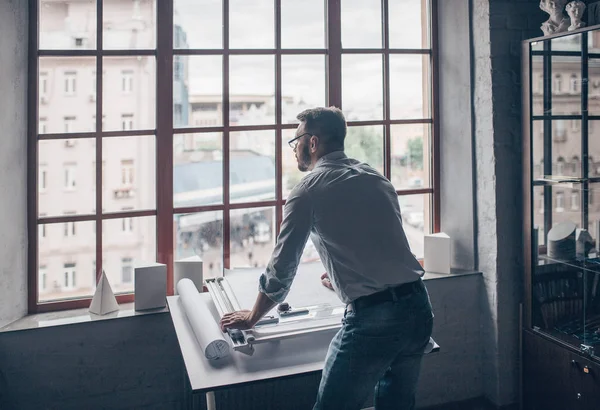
point(207, 331)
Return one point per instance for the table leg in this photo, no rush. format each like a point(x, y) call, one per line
point(210, 401)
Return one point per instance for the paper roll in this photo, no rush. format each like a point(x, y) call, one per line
point(203, 325)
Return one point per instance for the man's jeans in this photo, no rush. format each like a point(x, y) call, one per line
point(381, 347)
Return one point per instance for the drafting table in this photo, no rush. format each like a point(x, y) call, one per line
point(300, 355)
point(291, 357)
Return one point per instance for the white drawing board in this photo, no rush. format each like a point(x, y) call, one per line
point(298, 355)
point(270, 360)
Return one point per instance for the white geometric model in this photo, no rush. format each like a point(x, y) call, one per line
point(104, 300)
point(189, 268)
point(438, 253)
point(150, 284)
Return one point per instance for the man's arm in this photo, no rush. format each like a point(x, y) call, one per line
point(275, 282)
point(246, 319)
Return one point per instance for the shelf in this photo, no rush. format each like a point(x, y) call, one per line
point(591, 265)
point(563, 180)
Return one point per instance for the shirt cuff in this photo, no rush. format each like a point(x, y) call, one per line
point(273, 288)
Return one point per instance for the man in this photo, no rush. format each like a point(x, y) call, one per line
point(352, 215)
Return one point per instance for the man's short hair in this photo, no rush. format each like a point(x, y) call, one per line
point(329, 124)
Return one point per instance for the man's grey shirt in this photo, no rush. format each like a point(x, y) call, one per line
point(351, 213)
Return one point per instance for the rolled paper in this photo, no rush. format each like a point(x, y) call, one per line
point(205, 328)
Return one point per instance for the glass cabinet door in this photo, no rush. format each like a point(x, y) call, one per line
point(564, 132)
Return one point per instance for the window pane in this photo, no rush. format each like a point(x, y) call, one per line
point(362, 87)
point(416, 220)
point(367, 33)
point(201, 234)
point(593, 199)
point(302, 24)
point(67, 96)
point(409, 87)
point(197, 169)
point(134, 109)
point(252, 237)
point(252, 90)
point(68, 177)
point(251, 24)
point(566, 86)
point(126, 270)
point(537, 144)
point(593, 87)
point(198, 24)
point(67, 25)
point(537, 85)
point(538, 212)
point(291, 174)
point(127, 238)
point(303, 85)
point(198, 91)
point(409, 23)
point(252, 162)
point(129, 25)
point(593, 148)
point(567, 43)
point(129, 173)
point(411, 149)
point(565, 151)
point(366, 144)
point(67, 256)
point(310, 254)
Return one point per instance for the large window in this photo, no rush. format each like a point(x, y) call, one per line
point(191, 157)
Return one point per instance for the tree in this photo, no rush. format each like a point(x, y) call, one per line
point(415, 152)
point(365, 144)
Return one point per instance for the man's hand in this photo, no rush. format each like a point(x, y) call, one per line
point(325, 281)
point(246, 319)
point(237, 320)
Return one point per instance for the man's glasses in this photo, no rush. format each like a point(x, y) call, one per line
point(294, 141)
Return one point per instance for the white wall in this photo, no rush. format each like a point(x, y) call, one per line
point(456, 158)
point(13, 166)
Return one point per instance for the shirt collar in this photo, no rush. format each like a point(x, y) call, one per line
point(332, 156)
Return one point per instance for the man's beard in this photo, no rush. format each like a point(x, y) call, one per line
point(304, 159)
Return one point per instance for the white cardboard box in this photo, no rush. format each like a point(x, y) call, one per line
point(438, 253)
point(188, 268)
point(150, 286)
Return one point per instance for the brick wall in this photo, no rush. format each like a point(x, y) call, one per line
point(499, 26)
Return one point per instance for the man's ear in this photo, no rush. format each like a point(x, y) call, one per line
point(313, 143)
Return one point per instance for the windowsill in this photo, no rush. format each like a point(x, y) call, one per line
point(453, 274)
point(69, 317)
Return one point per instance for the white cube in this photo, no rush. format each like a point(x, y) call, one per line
point(150, 286)
point(438, 253)
point(188, 268)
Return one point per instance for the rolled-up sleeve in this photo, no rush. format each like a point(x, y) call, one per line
point(297, 223)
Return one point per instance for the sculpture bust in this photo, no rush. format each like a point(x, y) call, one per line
point(575, 11)
point(557, 22)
